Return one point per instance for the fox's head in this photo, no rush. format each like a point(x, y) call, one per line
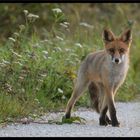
point(117, 47)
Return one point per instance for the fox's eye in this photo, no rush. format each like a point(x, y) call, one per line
point(121, 50)
point(111, 50)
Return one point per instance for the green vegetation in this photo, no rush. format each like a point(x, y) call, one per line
point(69, 121)
point(40, 53)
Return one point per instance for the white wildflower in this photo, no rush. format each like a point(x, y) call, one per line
point(63, 97)
point(18, 55)
point(44, 41)
point(25, 12)
point(2, 65)
point(32, 16)
point(5, 62)
point(63, 25)
point(22, 27)
point(16, 34)
point(57, 10)
point(59, 38)
point(18, 63)
point(79, 45)
point(12, 39)
point(36, 46)
point(66, 23)
point(86, 25)
point(49, 57)
point(36, 100)
point(22, 90)
point(43, 75)
point(60, 90)
point(21, 77)
point(58, 49)
point(45, 54)
point(67, 50)
point(40, 80)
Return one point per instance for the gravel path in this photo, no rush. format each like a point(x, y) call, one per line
point(128, 114)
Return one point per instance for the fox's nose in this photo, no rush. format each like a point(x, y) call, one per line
point(116, 60)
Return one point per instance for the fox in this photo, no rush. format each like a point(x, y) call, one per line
point(102, 73)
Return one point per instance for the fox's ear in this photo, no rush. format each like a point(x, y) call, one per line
point(126, 36)
point(108, 36)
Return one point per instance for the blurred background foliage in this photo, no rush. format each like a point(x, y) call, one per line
point(93, 13)
point(43, 44)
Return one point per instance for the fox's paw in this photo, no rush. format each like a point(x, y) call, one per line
point(116, 124)
point(103, 122)
point(66, 116)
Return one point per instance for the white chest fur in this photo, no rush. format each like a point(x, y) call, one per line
point(118, 73)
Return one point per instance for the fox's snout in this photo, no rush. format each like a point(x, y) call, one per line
point(117, 60)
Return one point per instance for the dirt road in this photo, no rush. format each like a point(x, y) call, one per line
point(128, 115)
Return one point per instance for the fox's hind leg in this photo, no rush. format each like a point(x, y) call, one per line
point(79, 88)
point(98, 101)
point(94, 96)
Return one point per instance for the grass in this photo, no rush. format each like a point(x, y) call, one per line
point(38, 74)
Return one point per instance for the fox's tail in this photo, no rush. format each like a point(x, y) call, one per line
point(94, 96)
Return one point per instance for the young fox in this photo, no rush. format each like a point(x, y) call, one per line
point(103, 72)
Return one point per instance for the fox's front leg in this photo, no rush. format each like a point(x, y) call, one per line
point(111, 107)
point(104, 119)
